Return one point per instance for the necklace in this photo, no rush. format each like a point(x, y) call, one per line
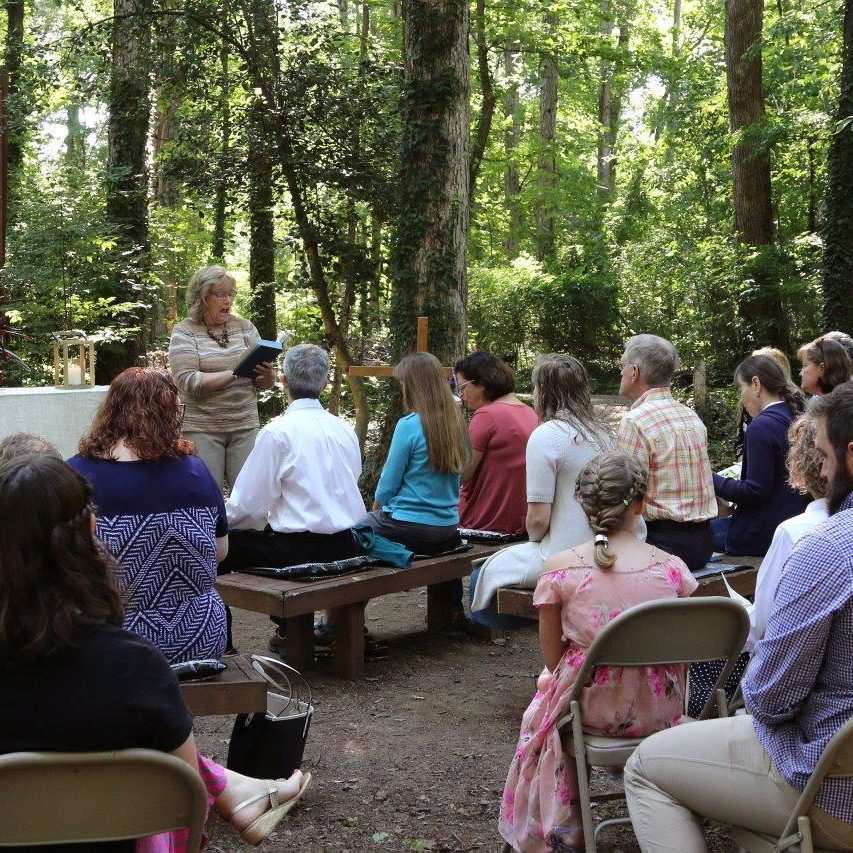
point(223, 340)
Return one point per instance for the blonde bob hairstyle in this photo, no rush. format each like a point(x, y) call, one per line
point(804, 459)
point(426, 392)
point(607, 486)
point(201, 284)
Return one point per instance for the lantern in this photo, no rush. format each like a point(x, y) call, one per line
point(73, 360)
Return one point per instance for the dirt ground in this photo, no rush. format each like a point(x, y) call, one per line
point(414, 756)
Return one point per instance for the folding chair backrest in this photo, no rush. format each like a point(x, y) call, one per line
point(669, 631)
point(51, 798)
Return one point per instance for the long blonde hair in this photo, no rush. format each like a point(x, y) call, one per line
point(426, 392)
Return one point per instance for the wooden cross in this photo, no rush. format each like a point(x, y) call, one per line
point(388, 370)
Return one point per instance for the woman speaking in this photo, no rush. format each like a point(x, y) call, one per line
point(221, 416)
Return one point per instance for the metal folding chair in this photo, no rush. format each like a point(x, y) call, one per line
point(664, 632)
point(836, 760)
point(67, 797)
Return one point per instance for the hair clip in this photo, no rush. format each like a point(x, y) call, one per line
point(601, 539)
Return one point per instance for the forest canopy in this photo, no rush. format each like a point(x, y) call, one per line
point(535, 176)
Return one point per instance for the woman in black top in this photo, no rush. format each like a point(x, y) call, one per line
point(71, 679)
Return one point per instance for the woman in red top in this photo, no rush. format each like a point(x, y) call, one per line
point(494, 492)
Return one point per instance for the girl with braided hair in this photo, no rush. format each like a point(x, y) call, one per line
point(763, 496)
point(582, 589)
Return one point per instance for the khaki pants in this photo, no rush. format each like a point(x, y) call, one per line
point(715, 769)
point(224, 452)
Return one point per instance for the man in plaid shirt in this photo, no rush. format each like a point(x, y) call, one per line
point(672, 441)
point(749, 770)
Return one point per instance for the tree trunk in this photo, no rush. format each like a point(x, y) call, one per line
point(220, 204)
point(14, 53)
point(487, 107)
point(611, 90)
point(126, 177)
point(259, 167)
point(262, 22)
point(431, 239)
point(75, 141)
point(547, 167)
point(761, 307)
point(512, 134)
point(164, 126)
point(837, 268)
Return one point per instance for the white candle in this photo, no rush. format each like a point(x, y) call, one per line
point(75, 374)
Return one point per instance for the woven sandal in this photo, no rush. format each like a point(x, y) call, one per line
point(260, 829)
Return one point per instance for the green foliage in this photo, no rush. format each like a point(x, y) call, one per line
point(656, 254)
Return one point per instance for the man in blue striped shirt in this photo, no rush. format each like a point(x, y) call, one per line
point(749, 770)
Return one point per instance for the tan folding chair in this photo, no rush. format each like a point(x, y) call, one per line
point(684, 630)
point(65, 798)
point(836, 761)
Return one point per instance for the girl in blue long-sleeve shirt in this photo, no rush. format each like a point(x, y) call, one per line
point(417, 496)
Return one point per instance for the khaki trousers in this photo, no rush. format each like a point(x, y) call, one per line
point(715, 769)
point(224, 452)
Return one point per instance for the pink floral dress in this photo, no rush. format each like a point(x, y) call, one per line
point(617, 701)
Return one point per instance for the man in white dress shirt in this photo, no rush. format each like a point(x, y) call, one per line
point(297, 496)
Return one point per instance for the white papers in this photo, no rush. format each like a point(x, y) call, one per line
point(736, 596)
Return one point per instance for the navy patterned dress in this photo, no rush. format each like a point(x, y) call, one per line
point(160, 520)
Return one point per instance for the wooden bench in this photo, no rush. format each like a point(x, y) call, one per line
point(240, 689)
point(296, 602)
point(519, 602)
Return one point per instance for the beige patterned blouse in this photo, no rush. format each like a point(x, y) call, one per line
point(192, 353)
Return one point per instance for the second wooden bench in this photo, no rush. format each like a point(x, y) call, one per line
point(519, 602)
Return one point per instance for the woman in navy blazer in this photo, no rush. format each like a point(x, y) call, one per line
point(762, 495)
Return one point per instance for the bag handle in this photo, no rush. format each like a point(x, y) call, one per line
point(272, 669)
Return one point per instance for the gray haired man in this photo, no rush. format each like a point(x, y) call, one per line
point(297, 496)
point(672, 441)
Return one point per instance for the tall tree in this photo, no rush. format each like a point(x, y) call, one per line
point(610, 93)
point(14, 52)
point(432, 227)
point(547, 166)
point(761, 307)
point(487, 89)
point(837, 269)
point(127, 175)
point(220, 203)
point(512, 134)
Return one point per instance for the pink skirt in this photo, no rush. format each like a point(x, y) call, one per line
point(177, 841)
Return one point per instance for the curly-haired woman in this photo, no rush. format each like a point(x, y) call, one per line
point(160, 514)
point(222, 413)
